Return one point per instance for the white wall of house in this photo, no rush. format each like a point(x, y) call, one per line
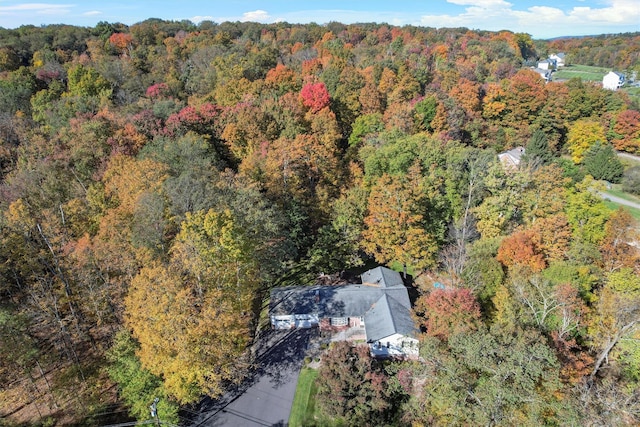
point(559, 60)
point(395, 345)
point(294, 321)
point(612, 81)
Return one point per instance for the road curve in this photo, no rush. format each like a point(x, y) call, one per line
point(619, 200)
point(628, 156)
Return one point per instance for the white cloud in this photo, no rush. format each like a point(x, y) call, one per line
point(484, 4)
point(92, 13)
point(618, 11)
point(38, 8)
point(541, 21)
point(256, 16)
point(198, 19)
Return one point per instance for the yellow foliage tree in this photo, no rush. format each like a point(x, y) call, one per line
point(582, 135)
point(396, 229)
point(192, 316)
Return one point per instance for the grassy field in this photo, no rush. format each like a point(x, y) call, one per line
point(633, 92)
point(617, 191)
point(303, 407)
point(614, 206)
point(585, 72)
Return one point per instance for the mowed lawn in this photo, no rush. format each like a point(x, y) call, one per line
point(585, 72)
point(614, 206)
point(304, 400)
point(616, 190)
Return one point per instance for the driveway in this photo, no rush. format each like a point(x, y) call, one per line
point(265, 398)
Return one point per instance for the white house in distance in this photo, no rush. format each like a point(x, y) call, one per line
point(377, 311)
point(613, 80)
point(545, 73)
point(559, 58)
point(547, 64)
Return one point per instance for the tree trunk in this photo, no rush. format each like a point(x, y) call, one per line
point(605, 353)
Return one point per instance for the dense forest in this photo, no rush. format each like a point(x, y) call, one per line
point(156, 180)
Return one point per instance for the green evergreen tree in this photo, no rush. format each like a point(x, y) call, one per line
point(601, 162)
point(537, 152)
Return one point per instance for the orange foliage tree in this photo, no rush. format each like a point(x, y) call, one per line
point(522, 248)
point(626, 131)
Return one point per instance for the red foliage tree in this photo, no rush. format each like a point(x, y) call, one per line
point(315, 96)
point(448, 312)
point(202, 119)
point(157, 90)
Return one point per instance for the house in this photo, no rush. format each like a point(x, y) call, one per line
point(511, 159)
point(547, 64)
point(613, 80)
point(544, 73)
point(378, 310)
point(559, 58)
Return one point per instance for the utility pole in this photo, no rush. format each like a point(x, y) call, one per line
point(154, 410)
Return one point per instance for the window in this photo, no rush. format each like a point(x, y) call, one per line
point(339, 321)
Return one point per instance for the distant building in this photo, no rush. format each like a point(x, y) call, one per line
point(544, 73)
point(547, 64)
point(511, 159)
point(559, 58)
point(613, 80)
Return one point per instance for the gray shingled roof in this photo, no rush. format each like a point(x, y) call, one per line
point(387, 317)
point(383, 277)
point(332, 301)
point(383, 300)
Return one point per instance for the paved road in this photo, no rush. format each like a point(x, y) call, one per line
point(265, 398)
point(618, 200)
point(629, 156)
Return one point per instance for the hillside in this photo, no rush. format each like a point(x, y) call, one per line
point(157, 180)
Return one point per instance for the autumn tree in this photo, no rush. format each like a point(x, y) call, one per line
point(314, 96)
point(518, 198)
point(582, 135)
point(617, 247)
point(447, 312)
point(467, 94)
point(193, 341)
point(521, 248)
point(122, 42)
point(625, 132)
point(586, 213)
point(352, 387)
point(396, 230)
point(306, 167)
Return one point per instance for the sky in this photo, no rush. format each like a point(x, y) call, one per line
point(541, 19)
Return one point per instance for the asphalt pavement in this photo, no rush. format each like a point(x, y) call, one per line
point(265, 398)
point(619, 200)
